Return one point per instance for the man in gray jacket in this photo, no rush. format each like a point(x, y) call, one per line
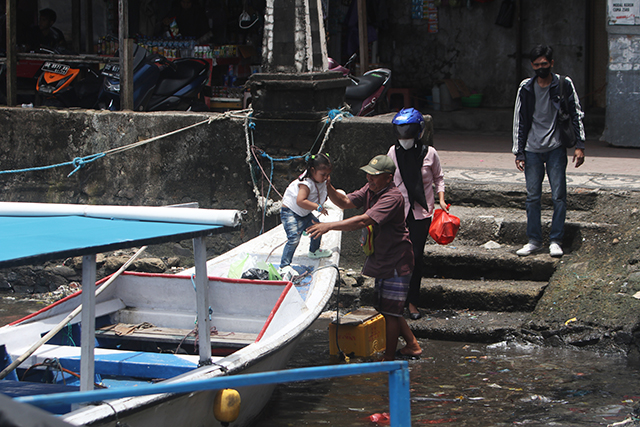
point(537, 147)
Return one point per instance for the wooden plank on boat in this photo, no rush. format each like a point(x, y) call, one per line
point(147, 332)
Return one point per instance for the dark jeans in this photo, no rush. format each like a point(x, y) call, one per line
point(418, 232)
point(294, 225)
point(555, 164)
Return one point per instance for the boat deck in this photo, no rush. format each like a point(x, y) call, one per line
point(147, 332)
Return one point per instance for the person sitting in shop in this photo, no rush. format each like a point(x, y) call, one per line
point(44, 34)
point(186, 18)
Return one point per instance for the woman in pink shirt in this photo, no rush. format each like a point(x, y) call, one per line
point(417, 172)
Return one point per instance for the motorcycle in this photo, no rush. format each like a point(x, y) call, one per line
point(67, 85)
point(158, 83)
point(368, 93)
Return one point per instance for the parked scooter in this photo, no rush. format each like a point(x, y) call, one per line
point(158, 84)
point(67, 85)
point(368, 93)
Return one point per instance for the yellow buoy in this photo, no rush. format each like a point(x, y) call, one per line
point(226, 406)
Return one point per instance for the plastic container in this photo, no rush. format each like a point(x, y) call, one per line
point(435, 93)
point(360, 335)
point(472, 100)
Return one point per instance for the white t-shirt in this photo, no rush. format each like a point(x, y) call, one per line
point(317, 194)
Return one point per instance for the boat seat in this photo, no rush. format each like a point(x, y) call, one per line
point(173, 335)
point(138, 364)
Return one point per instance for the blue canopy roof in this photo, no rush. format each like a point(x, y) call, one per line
point(33, 240)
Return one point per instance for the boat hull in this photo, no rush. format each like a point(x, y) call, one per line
point(269, 317)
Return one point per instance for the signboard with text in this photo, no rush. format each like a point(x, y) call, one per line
point(624, 12)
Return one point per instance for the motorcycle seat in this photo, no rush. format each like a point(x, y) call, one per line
point(184, 72)
point(366, 85)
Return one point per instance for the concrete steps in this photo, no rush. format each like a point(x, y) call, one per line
point(476, 288)
point(488, 295)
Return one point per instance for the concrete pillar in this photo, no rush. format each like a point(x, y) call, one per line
point(295, 83)
point(294, 37)
point(622, 118)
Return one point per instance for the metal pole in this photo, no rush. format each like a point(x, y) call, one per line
point(202, 303)
point(88, 26)
point(12, 47)
point(400, 398)
point(518, 42)
point(126, 56)
point(75, 25)
point(88, 334)
point(228, 381)
point(363, 36)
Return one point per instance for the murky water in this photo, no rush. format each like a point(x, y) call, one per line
point(12, 308)
point(458, 384)
point(467, 384)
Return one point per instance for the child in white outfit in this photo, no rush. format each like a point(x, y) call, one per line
point(306, 194)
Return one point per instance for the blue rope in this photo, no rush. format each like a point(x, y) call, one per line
point(332, 114)
point(77, 162)
point(335, 113)
point(281, 159)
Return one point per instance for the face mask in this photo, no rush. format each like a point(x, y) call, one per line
point(543, 73)
point(407, 144)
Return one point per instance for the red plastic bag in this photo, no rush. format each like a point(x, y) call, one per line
point(444, 226)
point(380, 418)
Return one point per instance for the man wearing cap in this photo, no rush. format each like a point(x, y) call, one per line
point(391, 262)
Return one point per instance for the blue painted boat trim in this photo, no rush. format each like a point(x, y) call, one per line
point(135, 364)
point(399, 394)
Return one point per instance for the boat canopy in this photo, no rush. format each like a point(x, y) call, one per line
point(36, 232)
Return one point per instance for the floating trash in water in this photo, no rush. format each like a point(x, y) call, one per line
point(380, 418)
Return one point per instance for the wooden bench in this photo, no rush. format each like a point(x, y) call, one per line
point(139, 332)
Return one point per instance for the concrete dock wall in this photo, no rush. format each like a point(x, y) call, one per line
point(205, 164)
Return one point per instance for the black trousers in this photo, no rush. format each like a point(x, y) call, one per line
point(418, 232)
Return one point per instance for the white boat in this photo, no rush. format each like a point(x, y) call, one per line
point(144, 331)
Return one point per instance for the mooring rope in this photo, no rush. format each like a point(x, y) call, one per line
point(79, 162)
point(270, 206)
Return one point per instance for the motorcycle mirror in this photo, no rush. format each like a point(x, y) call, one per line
point(351, 60)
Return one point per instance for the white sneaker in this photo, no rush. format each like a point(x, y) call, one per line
point(555, 250)
point(528, 249)
point(320, 253)
point(287, 273)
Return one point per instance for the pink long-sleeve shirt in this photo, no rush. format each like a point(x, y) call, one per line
point(431, 174)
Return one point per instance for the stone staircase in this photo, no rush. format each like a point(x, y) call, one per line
point(476, 288)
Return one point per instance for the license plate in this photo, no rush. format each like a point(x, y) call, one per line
point(111, 70)
point(54, 67)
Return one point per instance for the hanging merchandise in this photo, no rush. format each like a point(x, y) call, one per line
point(417, 9)
point(505, 14)
point(431, 16)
